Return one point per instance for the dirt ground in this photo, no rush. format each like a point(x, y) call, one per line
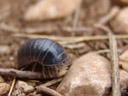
point(12, 23)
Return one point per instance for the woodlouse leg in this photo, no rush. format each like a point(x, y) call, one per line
point(24, 68)
point(34, 66)
point(43, 72)
point(56, 71)
point(49, 72)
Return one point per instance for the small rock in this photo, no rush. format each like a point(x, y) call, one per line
point(24, 86)
point(18, 92)
point(90, 75)
point(51, 9)
point(124, 56)
point(124, 82)
point(120, 22)
point(35, 94)
point(94, 10)
point(99, 7)
point(4, 88)
point(123, 61)
point(1, 80)
point(4, 49)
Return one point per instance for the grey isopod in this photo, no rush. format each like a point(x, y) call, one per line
point(47, 53)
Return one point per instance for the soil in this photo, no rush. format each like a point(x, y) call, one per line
point(11, 14)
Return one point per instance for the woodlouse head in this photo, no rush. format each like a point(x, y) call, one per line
point(48, 53)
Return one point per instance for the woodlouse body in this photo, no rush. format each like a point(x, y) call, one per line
point(48, 53)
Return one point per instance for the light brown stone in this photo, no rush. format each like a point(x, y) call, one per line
point(94, 10)
point(18, 92)
point(1, 79)
point(4, 49)
point(124, 82)
point(99, 7)
point(90, 75)
point(4, 88)
point(123, 61)
point(51, 9)
point(24, 86)
point(120, 22)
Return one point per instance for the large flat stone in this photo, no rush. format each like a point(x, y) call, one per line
point(89, 75)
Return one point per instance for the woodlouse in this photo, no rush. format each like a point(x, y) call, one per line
point(47, 53)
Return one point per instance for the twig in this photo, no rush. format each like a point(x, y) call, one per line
point(74, 46)
point(76, 17)
point(115, 64)
point(106, 51)
point(103, 20)
point(78, 29)
point(20, 74)
point(27, 74)
point(12, 87)
point(109, 16)
point(52, 82)
point(103, 51)
point(30, 30)
point(44, 89)
point(8, 28)
point(73, 39)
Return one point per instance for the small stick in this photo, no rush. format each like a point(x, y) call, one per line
point(26, 74)
point(74, 39)
point(103, 51)
point(8, 28)
point(12, 87)
point(20, 74)
point(78, 29)
point(36, 30)
point(30, 30)
point(44, 89)
point(52, 82)
point(115, 64)
point(74, 46)
point(107, 51)
point(76, 17)
point(109, 16)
